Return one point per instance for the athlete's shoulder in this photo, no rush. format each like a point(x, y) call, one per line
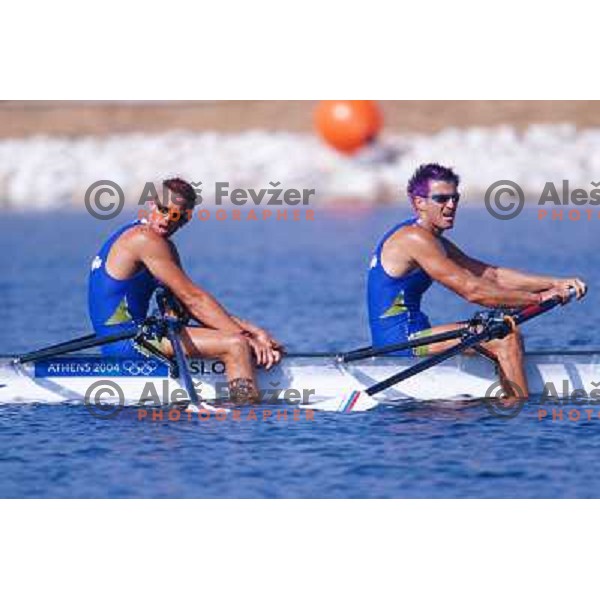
point(411, 233)
point(142, 240)
point(141, 232)
point(416, 242)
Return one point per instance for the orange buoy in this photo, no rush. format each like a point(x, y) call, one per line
point(348, 125)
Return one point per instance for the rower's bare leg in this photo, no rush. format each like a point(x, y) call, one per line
point(233, 349)
point(507, 352)
point(510, 355)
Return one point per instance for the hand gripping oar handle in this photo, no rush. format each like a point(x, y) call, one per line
point(492, 331)
point(529, 312)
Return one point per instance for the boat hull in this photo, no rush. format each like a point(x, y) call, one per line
point(299, 379)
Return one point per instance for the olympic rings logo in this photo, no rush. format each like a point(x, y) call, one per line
point(140, 367)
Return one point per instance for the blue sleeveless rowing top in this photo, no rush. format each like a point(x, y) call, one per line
point(395, 302)
point(115, 304)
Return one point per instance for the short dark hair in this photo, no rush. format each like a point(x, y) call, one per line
point(182, 189)
point(419, 182)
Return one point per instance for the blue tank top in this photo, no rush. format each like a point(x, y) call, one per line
point(115, 304)
point(395, 302)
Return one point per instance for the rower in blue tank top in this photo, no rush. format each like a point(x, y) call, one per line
point(417, 252)
point(129, 267)
point(116, 304)
point(395, 302)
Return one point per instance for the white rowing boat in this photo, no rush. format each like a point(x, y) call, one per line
point(354, 381)
point(299, 379)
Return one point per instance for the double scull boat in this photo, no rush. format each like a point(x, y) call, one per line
point(356, 380)
point(298, 379)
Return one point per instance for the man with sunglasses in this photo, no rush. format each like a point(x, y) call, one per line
point(415, 253)
point(138, 258)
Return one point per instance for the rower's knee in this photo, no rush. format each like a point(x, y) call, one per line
point(236, 345)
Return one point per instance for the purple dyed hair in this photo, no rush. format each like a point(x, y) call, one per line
point(419, 182)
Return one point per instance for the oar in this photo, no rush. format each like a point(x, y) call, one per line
point(370, 351)
point(183, 371)
point(173, 330)
point(361, 400)
point(83, 338)
point(82, 343)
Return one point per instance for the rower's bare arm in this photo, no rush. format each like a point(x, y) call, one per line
point(474, 266)
point(158, 256)
point(512, 278)
point(427, 251)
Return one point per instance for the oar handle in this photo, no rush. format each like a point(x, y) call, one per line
point(529, 312)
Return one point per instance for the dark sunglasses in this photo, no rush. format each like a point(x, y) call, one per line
point(443, 198)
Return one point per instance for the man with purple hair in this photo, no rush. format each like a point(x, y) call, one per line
point(415, 253)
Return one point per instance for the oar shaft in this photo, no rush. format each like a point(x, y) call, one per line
point(427, 363)
point(78, 344)
point(182, 367)
point(415, 343)
point(83, 338)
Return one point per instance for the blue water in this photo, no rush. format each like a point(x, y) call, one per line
point(305, 282)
